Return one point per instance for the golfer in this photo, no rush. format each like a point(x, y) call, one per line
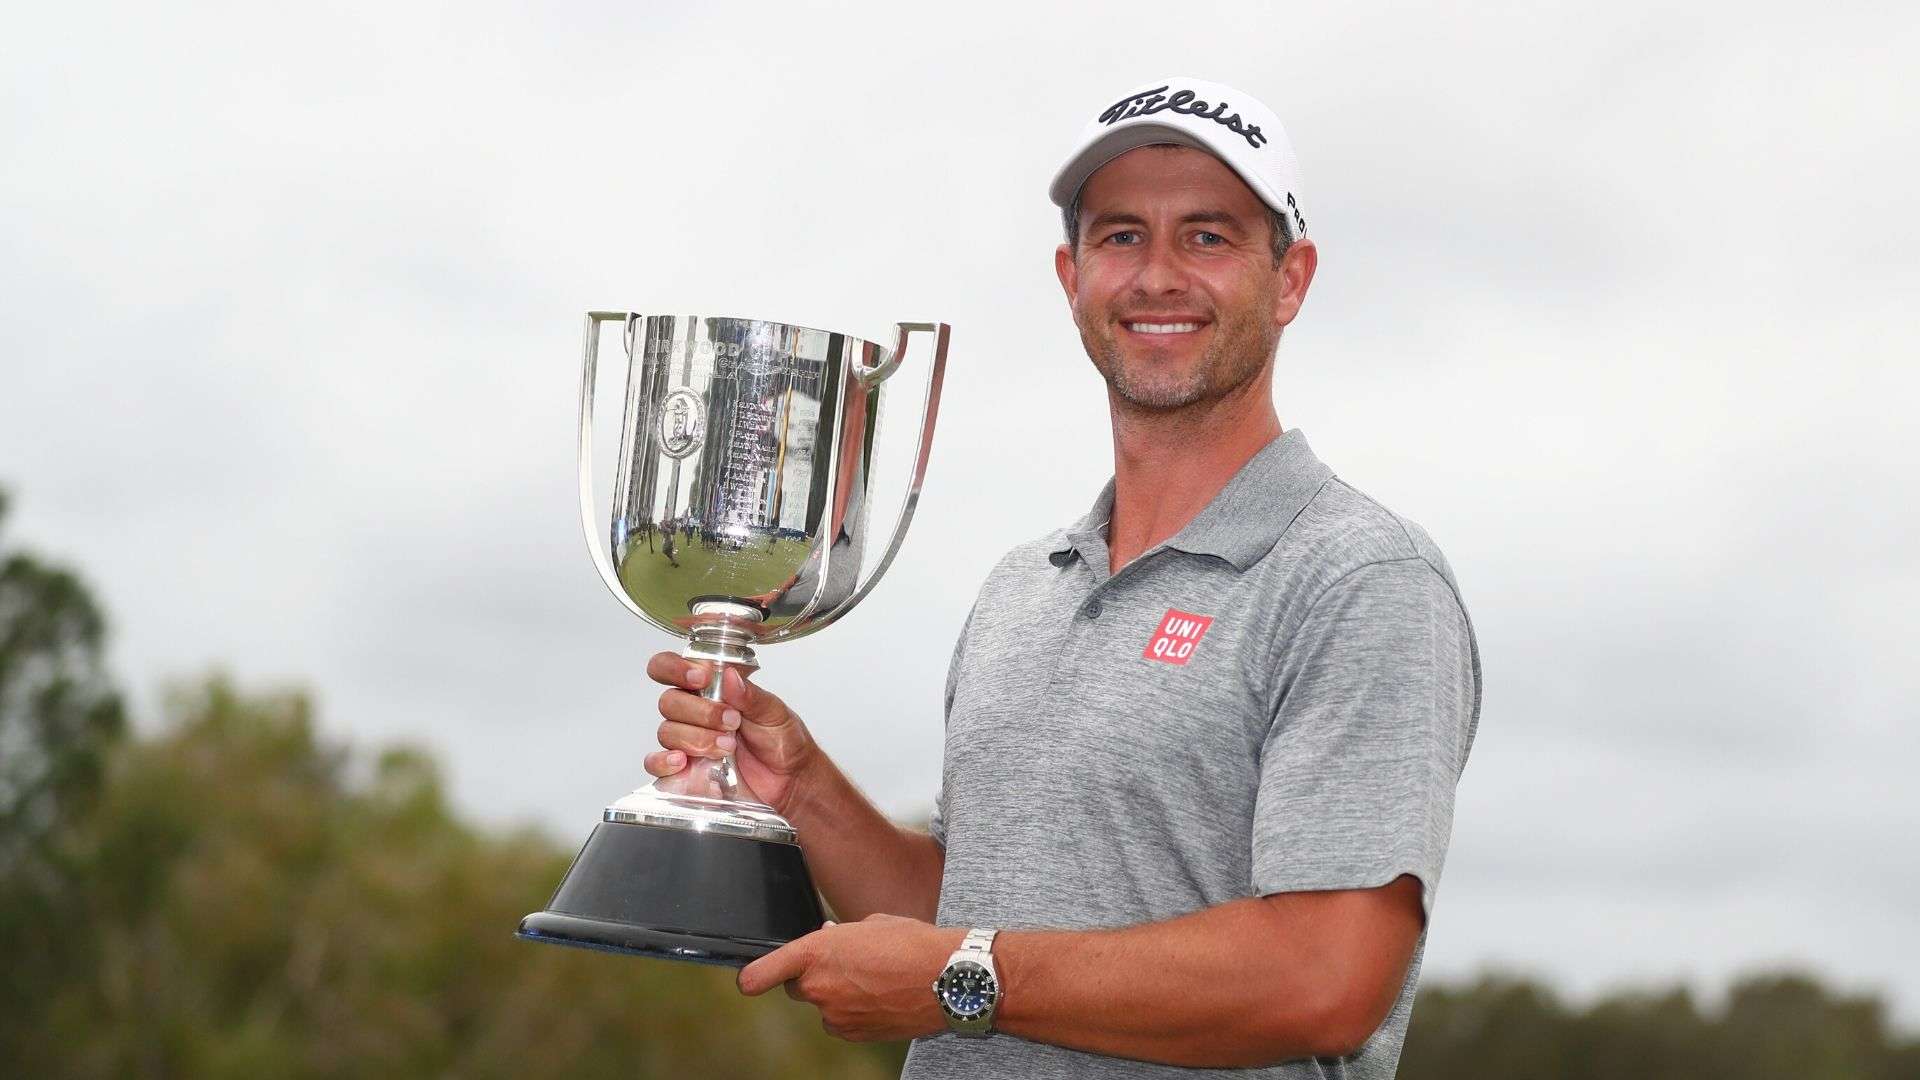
point(1201, 743)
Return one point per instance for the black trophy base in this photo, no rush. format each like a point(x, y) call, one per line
point(679, 894)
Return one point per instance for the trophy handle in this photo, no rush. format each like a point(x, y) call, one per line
point(871, 378)
point(596, 540)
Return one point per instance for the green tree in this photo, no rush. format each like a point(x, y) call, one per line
point(60, 718)
point(1497, 1026)
point(1787, 1024)
point(1780, 1025)
point(59, 713)
point(269, 905)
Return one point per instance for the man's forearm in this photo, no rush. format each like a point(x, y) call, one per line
point(863, 863)
point(1249, 982)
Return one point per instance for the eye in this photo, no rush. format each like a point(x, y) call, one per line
point(1209, 239)
point(1124, 237)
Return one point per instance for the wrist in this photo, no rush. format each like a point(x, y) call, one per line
point(968, 989)
point(809, 785)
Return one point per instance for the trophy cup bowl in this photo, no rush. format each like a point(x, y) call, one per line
point(740, 517)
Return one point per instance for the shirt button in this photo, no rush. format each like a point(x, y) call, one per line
point(1093, 609)
point(1060, 558)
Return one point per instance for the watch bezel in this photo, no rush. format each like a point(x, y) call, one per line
point(991, 992)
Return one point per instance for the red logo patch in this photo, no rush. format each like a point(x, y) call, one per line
point(1179, 634)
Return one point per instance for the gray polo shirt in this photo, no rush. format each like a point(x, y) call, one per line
point(1279, 698)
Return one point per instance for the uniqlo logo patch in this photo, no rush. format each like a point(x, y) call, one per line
point(1179, 634)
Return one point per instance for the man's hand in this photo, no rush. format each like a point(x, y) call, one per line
point(870, 980)
point(862, 862)
point(769, 744)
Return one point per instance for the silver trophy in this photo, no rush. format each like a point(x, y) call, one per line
point(740, 517)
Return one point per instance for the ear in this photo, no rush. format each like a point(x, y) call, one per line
point(1068, 271)
point(1296, 276)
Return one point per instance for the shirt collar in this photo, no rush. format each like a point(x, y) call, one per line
point(1243, 521)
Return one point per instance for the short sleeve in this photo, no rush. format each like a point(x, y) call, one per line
point(937, 824)
point(1378, 701)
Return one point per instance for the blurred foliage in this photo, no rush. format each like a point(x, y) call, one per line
point(1773, 1025)
point(253, 903)
point(60, 719)
point(59, 714)
point(233, 897)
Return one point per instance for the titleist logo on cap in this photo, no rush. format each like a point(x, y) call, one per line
point(1148, 102)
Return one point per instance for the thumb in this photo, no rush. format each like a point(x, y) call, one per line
point(755, 705)
point(789, 961)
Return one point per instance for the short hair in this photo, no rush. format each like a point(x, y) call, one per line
point(1277, 221)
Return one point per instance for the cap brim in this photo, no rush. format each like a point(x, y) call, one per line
point(1066, 183)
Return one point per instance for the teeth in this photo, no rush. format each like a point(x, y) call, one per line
point(1163, 328)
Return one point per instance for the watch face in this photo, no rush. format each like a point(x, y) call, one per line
point(966, 989)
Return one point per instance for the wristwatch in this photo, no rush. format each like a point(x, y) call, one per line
point(968, 989)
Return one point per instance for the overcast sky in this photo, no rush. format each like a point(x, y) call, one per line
point(1616, 300)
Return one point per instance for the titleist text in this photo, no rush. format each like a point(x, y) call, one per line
point(1148, 102)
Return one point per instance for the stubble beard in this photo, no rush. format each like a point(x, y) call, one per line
point(1240, 348)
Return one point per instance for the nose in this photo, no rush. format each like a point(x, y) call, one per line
point(1163, 271)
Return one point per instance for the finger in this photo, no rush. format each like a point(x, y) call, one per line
point(760, 706)
point(685, 708)
point(696, 741)
point(789, 961)
point(672, 669)
point(664, 762)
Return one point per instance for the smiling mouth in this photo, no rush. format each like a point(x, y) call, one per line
point(1162, 327)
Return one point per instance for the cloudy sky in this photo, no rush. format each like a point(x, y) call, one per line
point(1614, 299)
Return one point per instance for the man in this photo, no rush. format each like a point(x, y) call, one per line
point(1201, 745)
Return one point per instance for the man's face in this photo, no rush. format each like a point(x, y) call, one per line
point(1173, 286)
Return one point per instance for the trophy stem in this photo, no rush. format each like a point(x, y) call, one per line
point(719, 641)
point(723, 775)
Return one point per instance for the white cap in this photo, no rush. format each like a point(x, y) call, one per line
point(1227, 123)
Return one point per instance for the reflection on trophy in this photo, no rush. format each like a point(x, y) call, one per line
point(739, 518)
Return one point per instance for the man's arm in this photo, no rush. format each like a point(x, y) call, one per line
point(1249, 982)
point(863, 863)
